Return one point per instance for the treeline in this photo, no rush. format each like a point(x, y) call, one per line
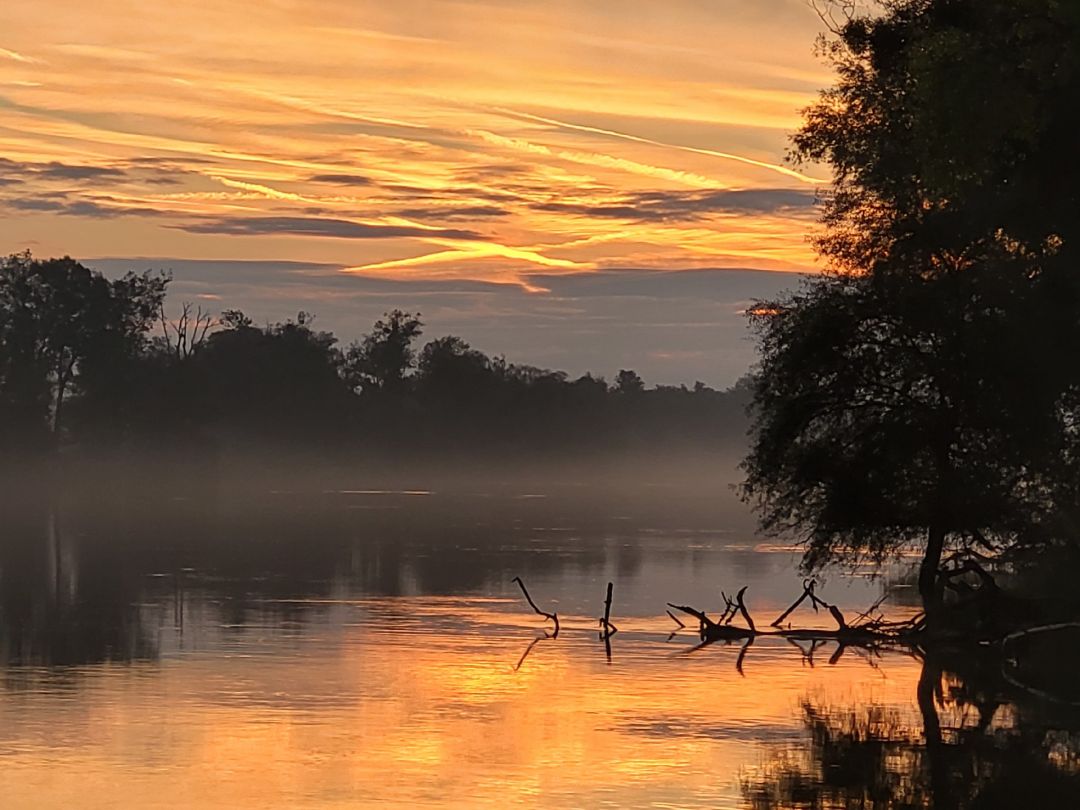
point(92, 365)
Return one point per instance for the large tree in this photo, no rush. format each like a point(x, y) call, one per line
point(919, 392)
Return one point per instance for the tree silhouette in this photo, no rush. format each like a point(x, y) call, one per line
point(919, 389)
point(629, 382)
point(380, 361)
point(209, 395)
point(63, 326)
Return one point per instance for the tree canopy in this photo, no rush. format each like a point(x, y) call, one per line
point(923, 387)
point(63, 326)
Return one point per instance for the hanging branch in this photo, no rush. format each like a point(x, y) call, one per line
point(550, 616)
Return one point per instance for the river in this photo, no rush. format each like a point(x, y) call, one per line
point(362, 648)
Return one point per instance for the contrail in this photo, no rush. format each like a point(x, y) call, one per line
point(775, 167)
point(596, 159)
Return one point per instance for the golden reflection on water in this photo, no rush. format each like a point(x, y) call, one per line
point(416, 703)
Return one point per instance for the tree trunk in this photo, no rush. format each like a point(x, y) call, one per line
point(58, 403)
point(928, 571)
point(63, 376)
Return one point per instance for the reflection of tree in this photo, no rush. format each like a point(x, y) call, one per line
point(85, 585)
point(970, 746)
point(62, 608)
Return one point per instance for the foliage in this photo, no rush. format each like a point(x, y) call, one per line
point(385, 356)
point(206, 390)
point(923, 386)
point(64, 327)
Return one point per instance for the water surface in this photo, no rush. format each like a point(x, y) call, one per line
point(363, 648)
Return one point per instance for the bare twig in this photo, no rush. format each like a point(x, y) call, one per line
point(816, 601)
point(808, 588)
point(675, 618)
point(827, 11)
point(551, 616)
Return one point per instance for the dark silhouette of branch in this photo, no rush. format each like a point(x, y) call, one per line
point(188, 332)
point(607, 628)
point(742, 609)
point(554, 617)
point(834, 14)
point(816, 601)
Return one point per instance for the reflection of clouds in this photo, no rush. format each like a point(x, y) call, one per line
point(419, 715)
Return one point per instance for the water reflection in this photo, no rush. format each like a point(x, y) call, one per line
point(88, 584)
point(975, 741)
point(362, 649)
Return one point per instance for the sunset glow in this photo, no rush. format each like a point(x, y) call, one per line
point(462, 140)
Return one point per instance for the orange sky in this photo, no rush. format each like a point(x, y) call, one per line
point(434, 140)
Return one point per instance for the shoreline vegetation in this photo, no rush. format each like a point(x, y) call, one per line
point(97, 379)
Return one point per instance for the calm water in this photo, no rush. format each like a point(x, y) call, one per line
point(365, 649)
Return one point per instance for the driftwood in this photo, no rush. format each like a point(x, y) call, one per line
point(868, 634)
point(867, 631)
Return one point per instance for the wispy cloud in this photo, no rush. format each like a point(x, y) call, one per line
point(386, 138)
point(341, 179)
point(664, 206)
point(319, 227)
point(15, 56)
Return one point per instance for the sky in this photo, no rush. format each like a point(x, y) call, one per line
point(582, 184)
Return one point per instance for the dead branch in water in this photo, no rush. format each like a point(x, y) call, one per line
point(816, 601)
point(710, 629)
point(607, 628)
point(550, 616)
point(742, 609)
point(867, 632)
